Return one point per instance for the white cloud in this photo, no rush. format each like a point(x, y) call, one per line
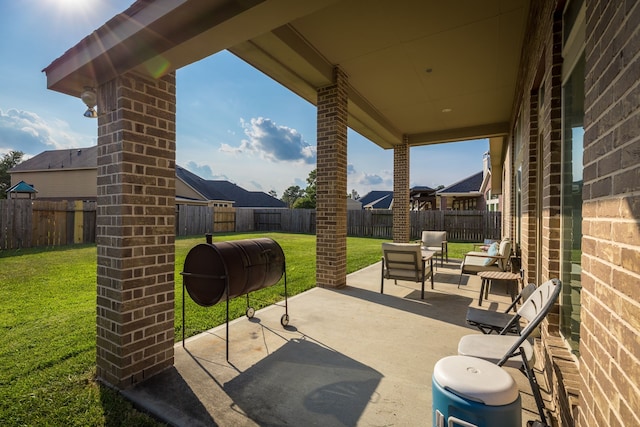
point(273, 142)
point(27, 132)
point(370, 179)
point(226, 148)
point(204, 171)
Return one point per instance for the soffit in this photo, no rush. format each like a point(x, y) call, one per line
point(471, 48)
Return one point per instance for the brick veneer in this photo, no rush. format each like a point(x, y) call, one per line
point(401, 193)
point(604, 389)
point(540, 92)
point(530, 177)
point(135, 228)
point(331, 182)
point(610, 319)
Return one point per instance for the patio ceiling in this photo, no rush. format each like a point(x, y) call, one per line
point(429, 70)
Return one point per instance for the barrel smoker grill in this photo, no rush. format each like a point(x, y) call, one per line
point(224, 270)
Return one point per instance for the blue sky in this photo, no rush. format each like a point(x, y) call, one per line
point(233, 122)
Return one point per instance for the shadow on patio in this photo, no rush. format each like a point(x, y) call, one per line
point(348, 357)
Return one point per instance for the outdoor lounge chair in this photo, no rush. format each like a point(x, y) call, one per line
point(484, 246)
point(405, 261)
point(436, 242)
point(475, 262)
point(488, 321)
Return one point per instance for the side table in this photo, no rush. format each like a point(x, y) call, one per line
point(507, 276)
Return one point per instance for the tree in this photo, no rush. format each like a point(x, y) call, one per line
point(273, 194)
point(291, 195)
point(309, 199)
point(8, 161)
point(353, 195)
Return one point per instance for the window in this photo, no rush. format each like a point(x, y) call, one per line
point(518, 160)
point(571, 201)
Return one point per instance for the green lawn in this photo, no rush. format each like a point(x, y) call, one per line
point(47, 319)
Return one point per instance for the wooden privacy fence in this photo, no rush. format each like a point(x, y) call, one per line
point(193, 220)
point(461, 226)
point(30, 223)
point(286, 220)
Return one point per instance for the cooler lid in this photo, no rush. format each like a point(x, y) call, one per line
point(476, 380)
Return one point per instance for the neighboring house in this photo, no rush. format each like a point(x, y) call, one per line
point(422, 198)
point(353, 205)
point(472, 192)
point(377, 200)
point(71, 174)
point(193, 189)
point(465, 194)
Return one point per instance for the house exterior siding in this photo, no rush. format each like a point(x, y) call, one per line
point(536, 155)
point(600, 385)
point(610, 333)
point(68, 184)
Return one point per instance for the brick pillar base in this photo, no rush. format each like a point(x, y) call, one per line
point(401, 219)
point(135, 233)
point(331, 182)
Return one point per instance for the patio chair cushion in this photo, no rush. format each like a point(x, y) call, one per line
point(492, 251)
point(433, 241)
point(403, 260)
point(504, 252)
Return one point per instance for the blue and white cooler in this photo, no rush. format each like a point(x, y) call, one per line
point(471, 392)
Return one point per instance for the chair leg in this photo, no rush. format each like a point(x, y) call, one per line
point(431, 261)
point(382, 278)
point(535, 387)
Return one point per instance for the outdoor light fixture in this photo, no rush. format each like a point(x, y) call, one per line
point(90, 99)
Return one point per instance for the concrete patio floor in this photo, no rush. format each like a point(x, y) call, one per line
point(349, 357)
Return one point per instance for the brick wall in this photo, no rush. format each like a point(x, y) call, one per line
point(135, 228)
point(610, 328)
point(331, 181)
point(401, 194)
point(540, 93)
point(530, 179)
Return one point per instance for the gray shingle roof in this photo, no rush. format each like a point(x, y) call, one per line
point(471, 184)
point(73, 158)
point(225, 190)
point(377, 199)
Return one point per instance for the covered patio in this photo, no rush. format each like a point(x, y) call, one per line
point(349, 357)
point(552, 85)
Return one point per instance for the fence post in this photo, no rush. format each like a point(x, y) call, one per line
point(78, 221)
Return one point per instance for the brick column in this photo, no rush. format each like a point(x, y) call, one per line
point(331, 182)
point(135, 232)
point(401, 193)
